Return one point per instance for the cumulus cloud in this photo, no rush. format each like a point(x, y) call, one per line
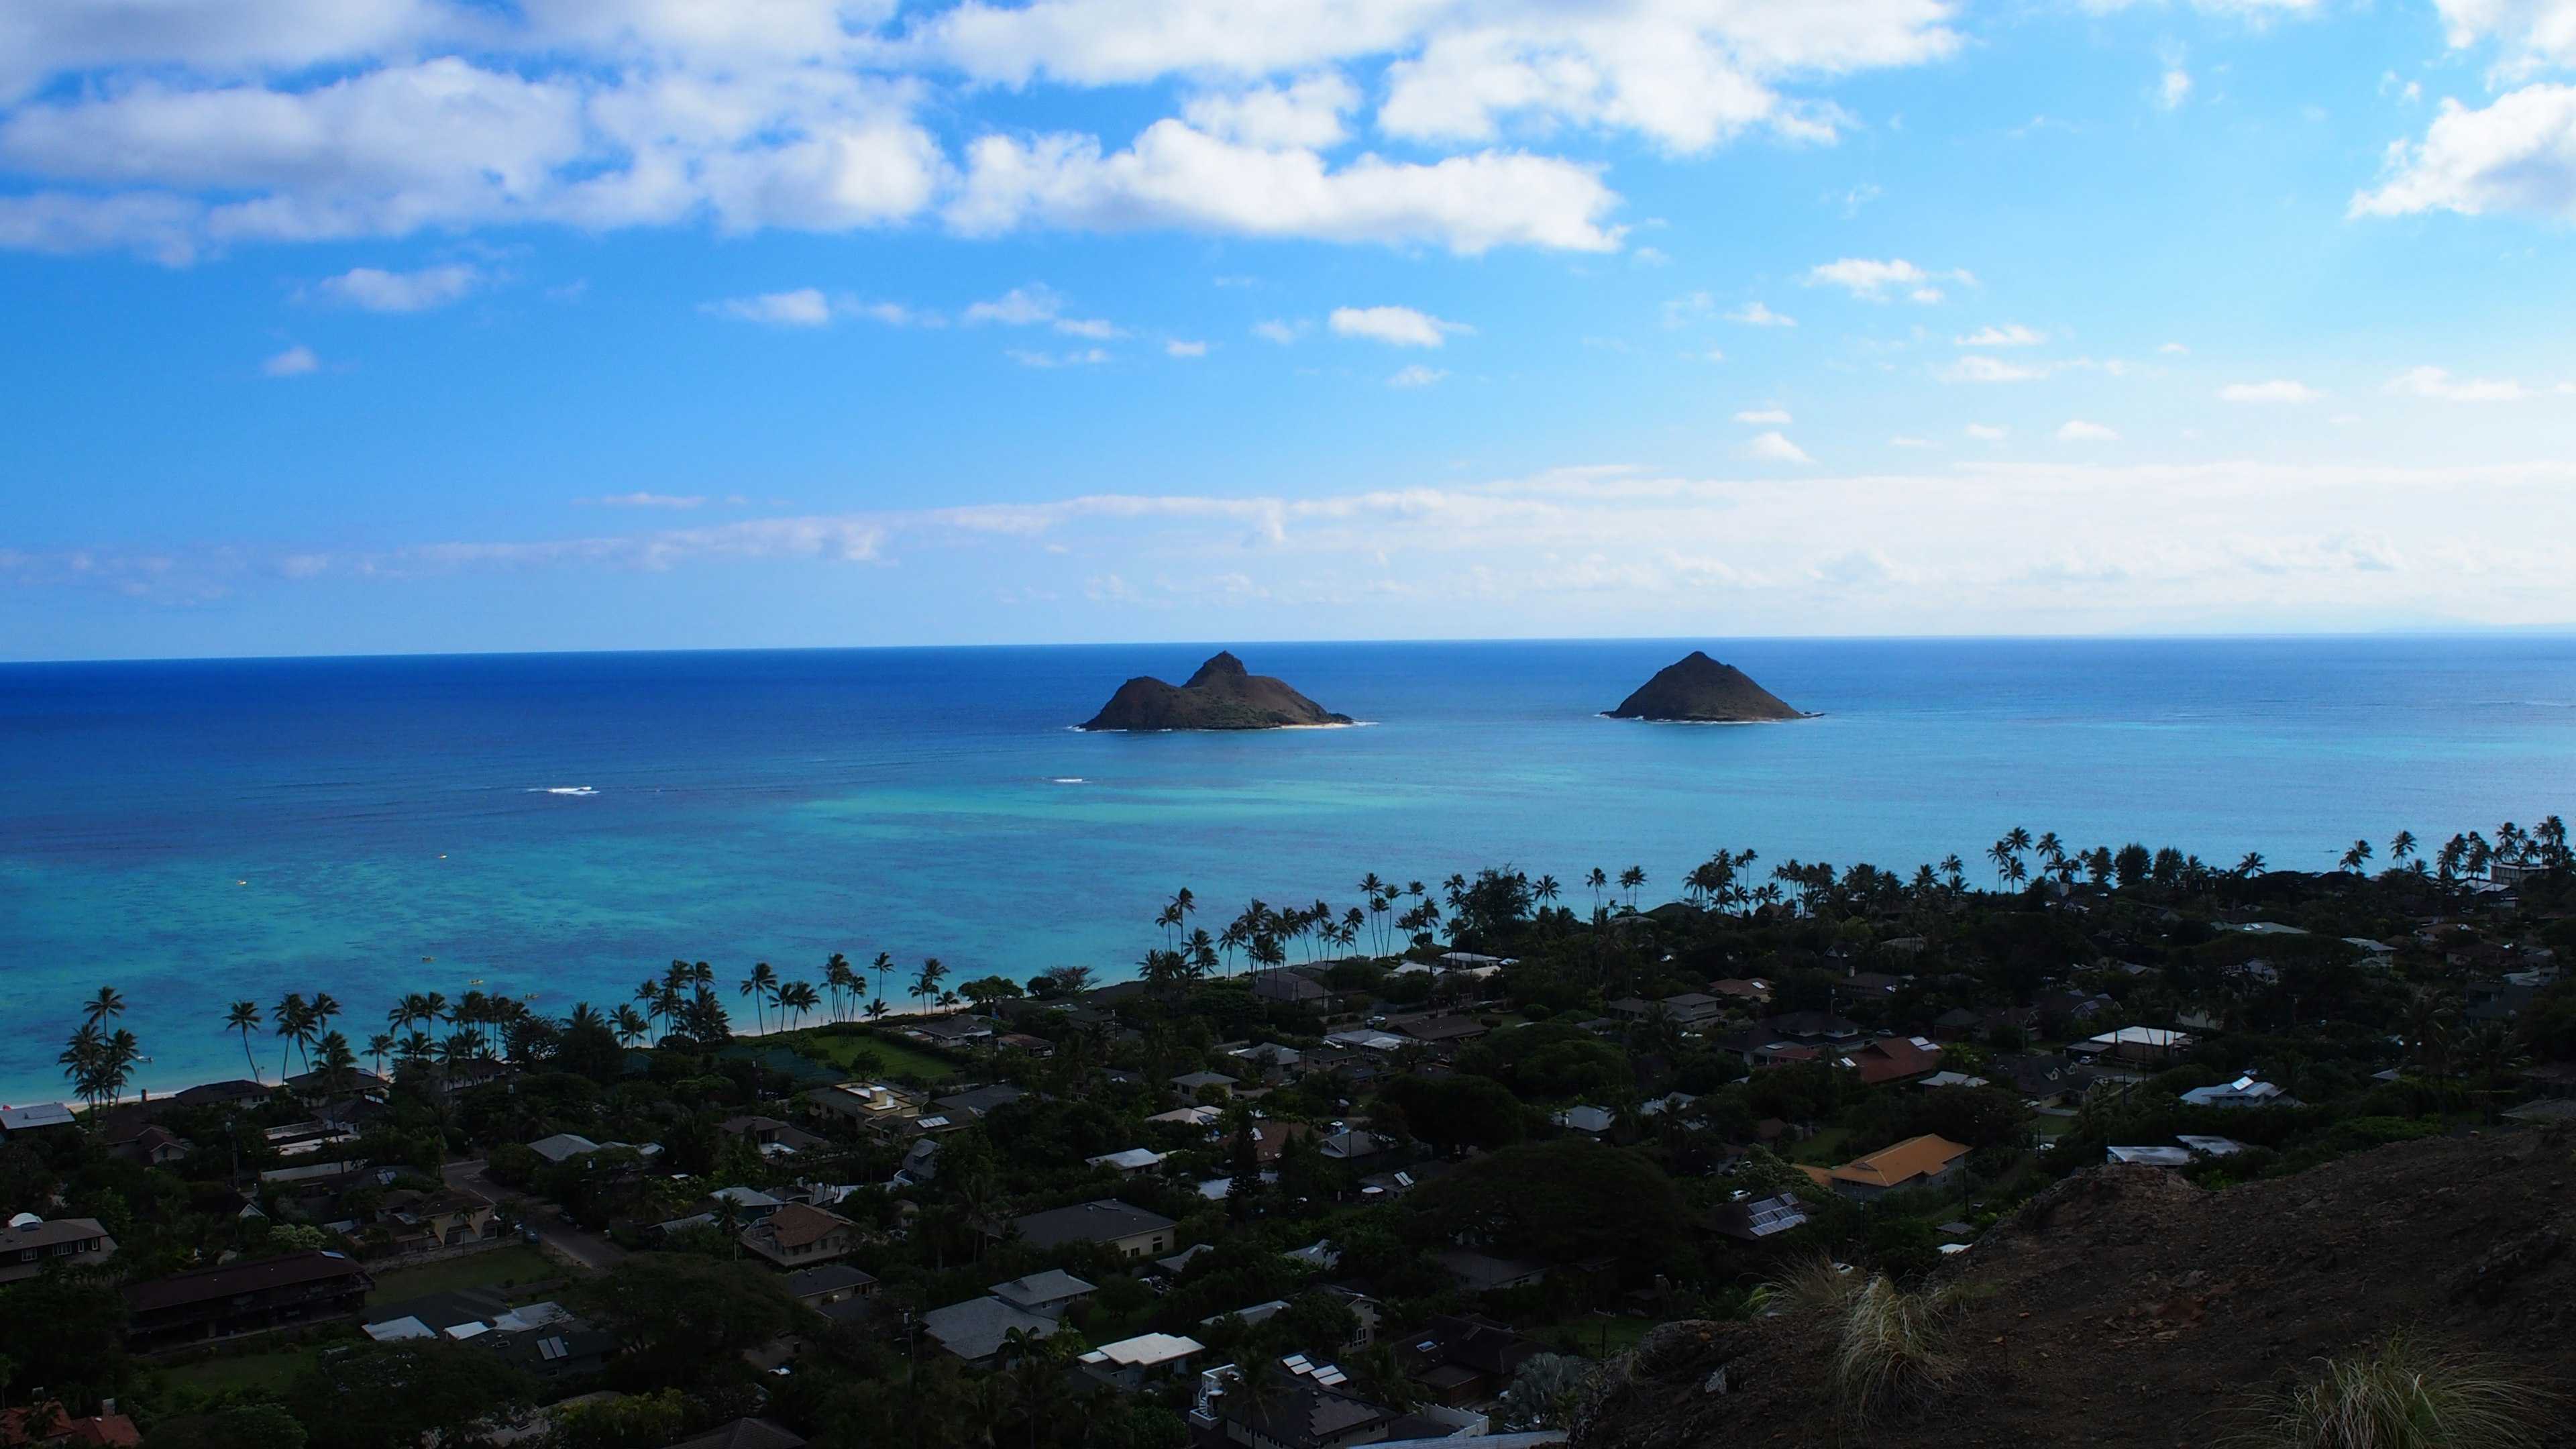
point(2174, 89)
point(1031, 305)
point(1305, 115)
point(1773, 447)
point(2077, 430)
point(1871, 281)
point(2434, 382)
point(2278, 390)
point(1278, 330)
point(1175, 347)
point(2530, 33)
point(2011, 334)
point(1754, 314)
point(1978, 368)
point(1416, 376)
point(293, 362)
point(1395, 326)
point(2517, 155)
point(1764, 415)
point(382, 291)
point(803, 307)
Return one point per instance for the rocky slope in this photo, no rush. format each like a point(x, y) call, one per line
point(1701, 690)
point(1221, 696)
point(2126, 1307)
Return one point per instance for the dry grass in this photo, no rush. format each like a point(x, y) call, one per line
point(2400, 1395)
point(1892, 1350)
point(1817, 1282)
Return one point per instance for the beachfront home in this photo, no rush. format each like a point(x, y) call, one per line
point(1926, 1161)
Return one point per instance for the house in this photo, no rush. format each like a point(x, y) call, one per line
point(773, 1137)
point(1359, 1151)
point(1132, 1162)
point(1128, 1363)
point(1289, 988)
point(1760, 1047)
point(1926, 1161)
point(1752, 990)
point(149, 1143)
point(2049, 1079)
point(2243, 1092)
point(749, 1204)
point(1695, 1008)
point(1269, 1139)
point(961, 1030)
point(1752, 1219)
point(1629, 1008)
point(1815, 1028)
point(448, 1218)
point(746, 1434)
point(978, 1328)
point(1194, 1084)
point(870, 1106)
point(1949, 1079)
point(1868, 986)
point(1190, 1116)
point(1049, 1294)
point(1895, 1058)
point(36, 1116)
point(104, 1427)
point(563, 1146)
point(835, 1290)
point(2149, 1156)
point(235, 1093)
point(243, 1297)
point(1590, 1121)
point(797, 1236)
point(544, 1339)
point(1131, 1230)
point(2136, 1044)
point(1463, 1358)
point(1484, 1273)
point(977, 1102)
point(29, 1242)
point(1443, 1030)
point(1309, 1408)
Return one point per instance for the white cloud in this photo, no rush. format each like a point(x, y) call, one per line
point(803, 307)
point(1279, 331)
point(652, 500)
point(2518, 154)
point(1175, 347)
point(1018, 307)
point(2174, 348)
point(293, 362)
point(2079, 431)
point(1775, 448)
point(1084, 357)
point(1871, 280)
point(2279, 390)
point(1977, 368)
point(1180, 178)
point(1754, 314)
point(381, 291)
point(2434, 382)
point(1098, 329)
point(2174, 88)
point(1985, 433)
point(1902, 441)
point(2011, 334)
point(1305, 115)
point(2531, 33)
point(1764, 415)
point(1416, 376)
point(1395, 326)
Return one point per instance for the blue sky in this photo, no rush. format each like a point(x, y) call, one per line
point(390, 325)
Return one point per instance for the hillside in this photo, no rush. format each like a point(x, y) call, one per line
point(1700, 690)
point(1223, 695)
point(2125, 1307)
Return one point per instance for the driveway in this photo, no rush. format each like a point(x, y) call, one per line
point(559, 1238)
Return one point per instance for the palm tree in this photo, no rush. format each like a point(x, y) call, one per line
point(1597, 880)
point(1547, 889)
point(2357, 857)
point(761, 985)
point(379, 1047)
point(2251, 866)
point(877, 1009)
point(840, 980)
point(1631, 880)
point(294, 1021)
point(926, 985)
point(798, 997)
point(244, 1018)
point(2402, 849)
point(630, 1025)
point(337, 1062)
point(106, 1006)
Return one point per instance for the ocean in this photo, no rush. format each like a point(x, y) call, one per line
point(558, 827)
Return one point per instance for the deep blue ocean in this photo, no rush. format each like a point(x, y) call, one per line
point(193, 833)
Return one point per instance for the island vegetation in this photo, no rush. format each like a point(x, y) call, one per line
point(1698, 690)
point(1541, 1116)
point(1222, 695)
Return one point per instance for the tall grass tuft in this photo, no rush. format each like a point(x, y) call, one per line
point(1817, 1282)
point(1892, 1350)
point(2400, 1395)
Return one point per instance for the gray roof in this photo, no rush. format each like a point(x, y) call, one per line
point(1038, 1289)
point(1089, 1222)
point(746, 1434)
point(976, 1329)
point(980, 1100)
point(561, 1146)
point(830, 1278)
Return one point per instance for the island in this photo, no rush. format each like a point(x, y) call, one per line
point(1699, 690)
point(1221, 696)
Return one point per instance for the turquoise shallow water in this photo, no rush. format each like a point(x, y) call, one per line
point(198, 832)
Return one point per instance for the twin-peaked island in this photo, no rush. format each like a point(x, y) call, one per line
point(1223, 695)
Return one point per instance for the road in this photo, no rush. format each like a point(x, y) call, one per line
point(555, 1235)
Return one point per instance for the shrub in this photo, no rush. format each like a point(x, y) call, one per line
point(2400, 1395)
point(1892, 1350)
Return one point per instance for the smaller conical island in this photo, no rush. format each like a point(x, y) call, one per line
point(1221, 696)
point(1700, 690)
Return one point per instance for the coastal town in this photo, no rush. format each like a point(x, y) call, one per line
point(1461, 1161)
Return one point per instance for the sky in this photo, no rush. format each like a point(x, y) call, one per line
point(356, 326)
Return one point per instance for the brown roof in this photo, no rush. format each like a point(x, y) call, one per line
point(237, 1278)
point(1443, 1028)
point(1896, 1166)
point(1895, 1058)
point(796, 1225)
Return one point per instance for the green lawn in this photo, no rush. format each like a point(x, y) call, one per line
point(1825, 1149)
point(502, 1268)
point(1587, 1335)
point(239, 1373)
point(901, 1059)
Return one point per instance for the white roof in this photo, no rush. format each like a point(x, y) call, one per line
point(2152, 1156)
point(1375, 1041)
point(1134, 1159)
point(562, 1145)
point(469, 1330)
point(397, 1330)
point(35, 1114)
point(1189, 1116)
point(2155, 1036)
point(2212, 1146)
point(1145, 1350)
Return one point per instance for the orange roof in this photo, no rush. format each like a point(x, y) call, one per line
point(1896, 1166)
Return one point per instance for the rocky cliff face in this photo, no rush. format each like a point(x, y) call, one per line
point(1221, 696)
point(1701, 690)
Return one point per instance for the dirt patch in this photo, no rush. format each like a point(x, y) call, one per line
point(2126, 1307)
